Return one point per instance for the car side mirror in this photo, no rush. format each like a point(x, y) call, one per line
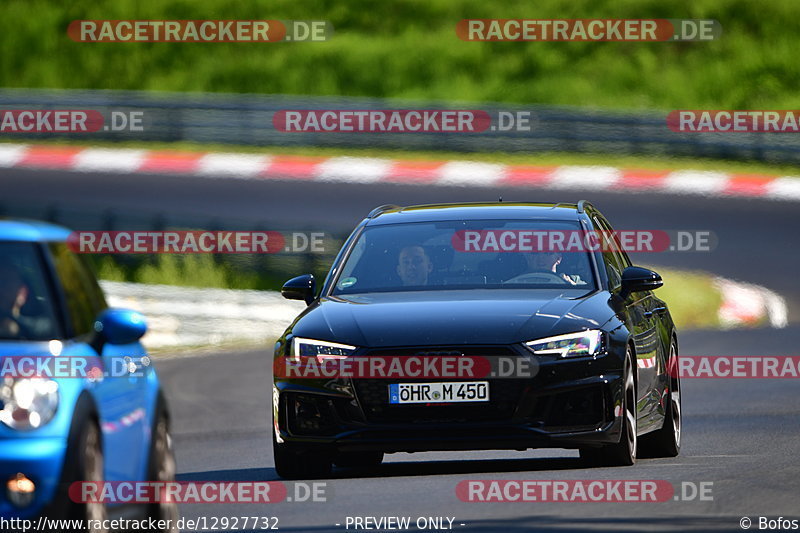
point(638, 279)
point(118, 326)
point(300, 288)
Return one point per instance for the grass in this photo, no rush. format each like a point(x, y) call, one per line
point(223, 271)
point(692, 298)
point(544, 159)
point(169, 269)
point(409, 49)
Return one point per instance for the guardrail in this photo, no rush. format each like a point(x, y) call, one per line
point(185, 317)
point(246, 119)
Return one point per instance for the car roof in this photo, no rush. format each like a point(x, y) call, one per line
point(475, 211)
point(31, 231)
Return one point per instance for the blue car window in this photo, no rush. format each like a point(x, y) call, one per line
point(26, 306)
point(84, 297)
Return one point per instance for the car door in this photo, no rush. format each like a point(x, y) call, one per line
point(120, 398)
point(650, 353)
point(640, 322)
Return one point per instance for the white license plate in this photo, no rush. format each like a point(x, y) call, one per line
point(449, 392)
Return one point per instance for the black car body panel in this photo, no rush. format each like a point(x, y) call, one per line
point(453, 317)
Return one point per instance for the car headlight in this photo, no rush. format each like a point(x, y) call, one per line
point(582, 343)
point(312, 348)
point(28, 403)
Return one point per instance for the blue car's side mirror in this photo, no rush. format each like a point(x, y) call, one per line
point(120, 326)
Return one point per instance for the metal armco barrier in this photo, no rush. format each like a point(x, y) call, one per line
point(246, 119)
point(184, 316)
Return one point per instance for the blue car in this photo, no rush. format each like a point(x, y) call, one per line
point(64, 424)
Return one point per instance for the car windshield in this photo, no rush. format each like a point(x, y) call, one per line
point(26, 309)
point(475, 254)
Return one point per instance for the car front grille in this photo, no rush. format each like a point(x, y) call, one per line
point(504, 394)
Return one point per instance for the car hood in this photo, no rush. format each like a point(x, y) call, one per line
point(452, 317)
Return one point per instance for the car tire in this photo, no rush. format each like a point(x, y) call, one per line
point(291, 463)
point(358, 459)
point(83, 461)
point(622, 453)
point(162, 467)
point(666, 442)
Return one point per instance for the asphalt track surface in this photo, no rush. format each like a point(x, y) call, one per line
point(742, 435)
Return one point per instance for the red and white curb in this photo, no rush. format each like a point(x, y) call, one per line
point(373, 170)
point(745, 304)
point(648, 362)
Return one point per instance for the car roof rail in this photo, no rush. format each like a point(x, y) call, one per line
point(582, 204)
point(381, 209)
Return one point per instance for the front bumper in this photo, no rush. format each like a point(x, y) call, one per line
point(41, 460)
point(567, 404)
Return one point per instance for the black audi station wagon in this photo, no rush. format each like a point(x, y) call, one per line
point(436, 283)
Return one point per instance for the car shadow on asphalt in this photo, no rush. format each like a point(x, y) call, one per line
point(403, 469)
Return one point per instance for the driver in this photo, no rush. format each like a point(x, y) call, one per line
point(13, 295)
point(413, 266)
point(546, 262)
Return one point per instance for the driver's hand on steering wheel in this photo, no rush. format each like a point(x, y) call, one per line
point(568, 279)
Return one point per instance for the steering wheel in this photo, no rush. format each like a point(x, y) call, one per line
point(537, 277)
